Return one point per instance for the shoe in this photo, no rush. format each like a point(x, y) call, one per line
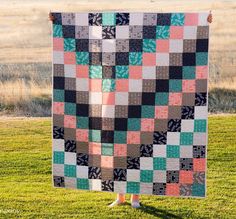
point(115, 203)
point(135, 204)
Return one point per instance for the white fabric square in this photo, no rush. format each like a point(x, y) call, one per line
point(95, 97)
point(122, 32)
point(136, 19)
point(58, 144)
point(176, 46)
point(159, 176)
point(120, 187)
point(162, 59)
point(190, 32)
point(70, 182)
point(70, 71)
point(146, 163)
point(58, 169)
point(81, 19)
point(108, 45)
point(187, 125)
point(133, 175)
point(121, 98)
point(149, 72)
point(82, 84)
point(202, 19)
point(186, 151)
point(172, 163)
point(95, 184)
point(146, 188)
point(200, 112)
point(70, 158)
point(108, 111)
point(159, 150)
point(58, 57)
point(95, 32)
point(173, 138)
point(82, 172)
point(199, 138)
point(135, 85)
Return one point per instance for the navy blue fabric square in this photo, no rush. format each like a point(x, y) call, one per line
point(68, 31)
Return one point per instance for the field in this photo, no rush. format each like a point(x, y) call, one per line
point(26, 189)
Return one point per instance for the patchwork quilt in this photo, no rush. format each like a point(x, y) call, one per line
point(130, 102)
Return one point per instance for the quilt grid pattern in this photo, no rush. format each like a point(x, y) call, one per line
point(130, 102)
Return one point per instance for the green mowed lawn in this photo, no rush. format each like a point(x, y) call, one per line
point(26, 188)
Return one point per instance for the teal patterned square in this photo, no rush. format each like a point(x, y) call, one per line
point(95, 71)
point(94, 135)
point(172, 151)
point(108, 85)
point(108, 18)
point(177, 19)
point(189, 72)
point(57, 30)
point(146, 176)
point(200, 125)
point(186, 138)
point(107, 149)
point(159, 163)
point(69, 44)
point(201, 58)
point(58, 95)
point(70, 170)
point(148, 111)
point(162, 32)
point(82, 122)
point(175, 85)
point(82, 183)
point(198, 190)
point(122, 71)
point(120, 137)
point(82, 58)
point(70, 108)
point(149, 45)
point(133, 187)
point(135, 58)
point(58, 157)
point(161, 98)
point(134, 124)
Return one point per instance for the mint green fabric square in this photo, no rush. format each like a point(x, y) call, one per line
point(82, 122)
point(82, 183)
point(57, 30)
point(58, 157)
point(69, 44)
point(149, 45)
point(120, 137)
point(133, 187)
point(108, 19)
point(175, 85)
point(200, 125)
point(201, 58)
point(135, 58)
point(70, 108)
point(108, 85)
point(172, 151)
point(177, 19)
point(161, 99)
point(58, 95)
point(159, 163)
point(198, 190)
point(148, 111)
point(162, 32)
point(95, 135)
point(70, 170)
point(122, 71)
point(134, 124)
point(146, 176)
point(186, 138)
point(95, 71)
point(189, 72)
point(107, 149)
point(82, 58)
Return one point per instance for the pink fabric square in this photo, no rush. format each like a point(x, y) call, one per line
point(176, 32)
point(58, 44)
point(191, 19)
point(172, 189)
point(107, 161)
point(161, 112)
point(201, 72)
point(147, 125)
point(135, 72)
point(162, 46)
point(94, 148)
point(108, 98)
point(185, 177)
point(189, 86)
point(82, 71)
point(95, 85)
point(58, 108)
point(133, 137)
point(149, 59)
point(122, 85)
point(69, 57)
point(120, 150)
point(70, 121)
point(199, 164)
point(175, 99)
point(82, 135)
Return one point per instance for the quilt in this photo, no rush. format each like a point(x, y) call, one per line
point(130, 102)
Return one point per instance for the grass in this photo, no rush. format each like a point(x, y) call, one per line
point(26, 190)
